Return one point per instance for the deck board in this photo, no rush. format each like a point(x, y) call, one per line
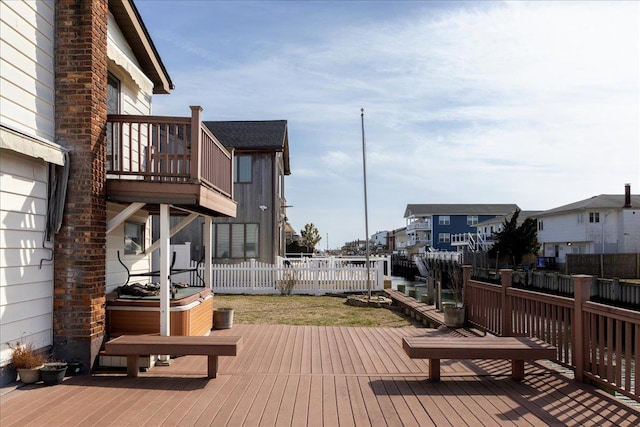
point(308, 375)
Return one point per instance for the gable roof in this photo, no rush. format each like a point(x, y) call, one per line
point(603, 201)
point(260, 135)
point(521, 217)
point(458, 209)
point(133, 28)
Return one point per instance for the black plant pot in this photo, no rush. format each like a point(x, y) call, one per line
point(53, 373)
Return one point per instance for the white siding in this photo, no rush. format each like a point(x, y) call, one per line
point(630, 231)
point(26, 290)
point(116, 274)
point(26, 67)
point(134, 100)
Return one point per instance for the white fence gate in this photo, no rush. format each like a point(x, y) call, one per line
point(316, 276)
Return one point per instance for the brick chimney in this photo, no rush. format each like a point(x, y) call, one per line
point(627, 196)
point(81, 114)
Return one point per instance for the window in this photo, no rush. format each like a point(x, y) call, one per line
point(236, 241)
point(113, 132)
point(594, 216)
point(242, 168)
point(472, 219)
point(540, 225)
point(133, 238)
point(580, 217)
point(113, 94)
point(444, 220)
point(444, 237)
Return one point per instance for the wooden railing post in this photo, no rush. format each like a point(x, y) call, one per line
point(466, 276)
point(506, 276)
point(196, 143)
point(582, 293)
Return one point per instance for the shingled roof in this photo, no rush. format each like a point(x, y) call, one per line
point(457, 209)
point(603, 201)
point(259, 135)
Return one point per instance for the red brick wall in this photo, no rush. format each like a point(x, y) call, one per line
point(81, 93)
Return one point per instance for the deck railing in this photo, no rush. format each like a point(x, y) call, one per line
point(167, 149)
point(601, 343)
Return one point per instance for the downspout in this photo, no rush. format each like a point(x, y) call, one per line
point(58, 182)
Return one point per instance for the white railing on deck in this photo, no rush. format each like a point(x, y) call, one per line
point(316, 276)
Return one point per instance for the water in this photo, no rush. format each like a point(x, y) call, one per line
point(395, 281)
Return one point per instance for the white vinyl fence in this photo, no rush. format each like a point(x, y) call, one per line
point(312, 276)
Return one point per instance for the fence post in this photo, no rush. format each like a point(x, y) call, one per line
point(506, 276)
point(316, 277)
point(582, 293)
point(252, 273)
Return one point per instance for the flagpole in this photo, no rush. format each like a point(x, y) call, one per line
point(366, 215)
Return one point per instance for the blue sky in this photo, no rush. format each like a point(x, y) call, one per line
point(533, 103)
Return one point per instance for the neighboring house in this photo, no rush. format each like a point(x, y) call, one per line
point(604, 224)
point(432, 225)
point(380, 239)
point(398, 240)
point(261, 162)
point(484, 236)
point(92, 96)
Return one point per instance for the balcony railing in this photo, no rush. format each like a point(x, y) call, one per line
point(419, 226)
point(167, 149)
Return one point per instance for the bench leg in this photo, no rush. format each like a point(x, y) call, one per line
point(517, 369)
point(434, 369)
point(133, 365)
point(212, 366)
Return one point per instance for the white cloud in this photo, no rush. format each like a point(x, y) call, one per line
point(534, 103)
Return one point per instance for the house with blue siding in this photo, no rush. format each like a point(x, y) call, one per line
point(433, 225)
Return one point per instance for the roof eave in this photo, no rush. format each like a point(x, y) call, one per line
point(134, 30)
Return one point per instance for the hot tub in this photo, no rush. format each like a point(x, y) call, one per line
point(191, 313)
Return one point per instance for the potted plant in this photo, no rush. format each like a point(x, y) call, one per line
point(53, 373)
point(454, 311)
point(27, 362)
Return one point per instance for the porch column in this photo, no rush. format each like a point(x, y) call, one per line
point(165, 280)
point(208, 242)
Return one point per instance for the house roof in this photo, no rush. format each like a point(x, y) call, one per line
point(135, 32)
point(603, 201)
point(458, 209)
point(262, 135)
point(521, 217)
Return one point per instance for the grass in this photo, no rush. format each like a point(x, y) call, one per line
point(307, 310)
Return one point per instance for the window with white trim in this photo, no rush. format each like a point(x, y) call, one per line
point(444, 237)
point(134, 238)
point(472, 219)
point(594, 216)
point(444, 220)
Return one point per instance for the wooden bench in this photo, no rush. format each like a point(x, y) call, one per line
point(211, 346)
point(518, 349)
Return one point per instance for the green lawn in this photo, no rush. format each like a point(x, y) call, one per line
point(307, 310)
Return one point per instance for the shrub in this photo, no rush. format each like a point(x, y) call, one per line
point(24, 356)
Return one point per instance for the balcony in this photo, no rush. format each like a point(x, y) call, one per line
point(419, 226)
point(169, 160)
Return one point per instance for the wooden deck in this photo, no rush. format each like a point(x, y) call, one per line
point(307, 375)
